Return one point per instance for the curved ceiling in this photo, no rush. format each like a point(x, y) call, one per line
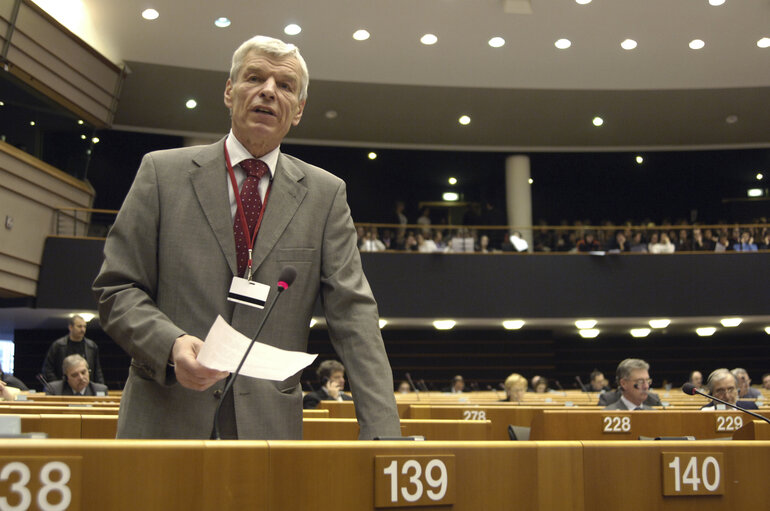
point(391, 90)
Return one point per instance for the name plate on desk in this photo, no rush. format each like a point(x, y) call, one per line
point(412, 480)
point(692, 473)
point(40, 483)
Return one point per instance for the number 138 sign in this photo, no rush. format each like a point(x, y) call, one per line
point(423, 480)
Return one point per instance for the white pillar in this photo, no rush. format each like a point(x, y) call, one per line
point(518, 196)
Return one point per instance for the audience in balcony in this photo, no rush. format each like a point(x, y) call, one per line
point(746, 243)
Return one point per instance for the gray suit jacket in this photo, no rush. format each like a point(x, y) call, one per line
point(169, 262)
point(620, 405)
point(62, 388)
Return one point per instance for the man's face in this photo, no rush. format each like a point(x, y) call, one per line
point(640, 378)
point(264, 101)
point(696, 379)
point(766, 382)
point(726, 389)
point(77, 376)
point(77, 329)
point(598, 382)
point(459, 384)
point(743, 381)
point(338, 378)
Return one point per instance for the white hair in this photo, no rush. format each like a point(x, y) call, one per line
point(264, 45)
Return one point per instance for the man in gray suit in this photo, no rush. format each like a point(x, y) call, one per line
point(634, 384)
point(77, 380)
point(171, 258)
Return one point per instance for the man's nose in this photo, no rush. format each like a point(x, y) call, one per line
point(268, 88)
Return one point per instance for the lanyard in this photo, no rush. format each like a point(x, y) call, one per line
point(251, 238)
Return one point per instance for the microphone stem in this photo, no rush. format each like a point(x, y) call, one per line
point(734, 406)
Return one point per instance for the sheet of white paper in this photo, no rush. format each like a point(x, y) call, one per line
point(225, 346)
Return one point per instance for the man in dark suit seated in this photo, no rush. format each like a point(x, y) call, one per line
point(332, 376)
point(77, 380)
point(633, 386)
point(722, 384)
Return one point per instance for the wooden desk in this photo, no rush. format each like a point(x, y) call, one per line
point(431, 429)
point(16, 408)
point(753, 430)
point(578, 424)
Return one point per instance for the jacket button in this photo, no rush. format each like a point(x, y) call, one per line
point(217, 393)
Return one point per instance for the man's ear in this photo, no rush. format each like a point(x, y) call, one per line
point(298, 115)
point(228, 94)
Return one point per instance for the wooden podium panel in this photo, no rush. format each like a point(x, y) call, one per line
point(16, 408)
point(753, 430)
point(54, 425)
point(431, 429)
point(629, 475)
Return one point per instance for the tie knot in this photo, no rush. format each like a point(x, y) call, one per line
point(254, 168)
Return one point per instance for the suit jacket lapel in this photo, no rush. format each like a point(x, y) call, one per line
point(209, 180)
point(286, 194)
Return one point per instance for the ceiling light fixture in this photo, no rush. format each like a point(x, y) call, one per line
point(628, 44)
point(444, 324)
point(697, 44)
point(767, 330)
point(429, 39)
point(731, 119)
point(764, 42)
point(31, 123)
point(497, 42)
point(331, 114)
point(705, 331)
point(82, 137)
point(597, 121)
point(583, 2)
point(639, 160)
point(361, 35)
point(80, 121)
point(450, 196)
point(589, 333)
point(716, 3)
point(464, 120)
point(530, 180)
point(382, 323)
point(87, 316)
point(563, 44)
point(659, 323)
point(191, 103)
point(452, 180)
point(313, 322)
point(372, 155)
point(754, 192)
point(760, 176)
point(731, 322)
point(292, 29)
point(222, 22)
point(95, 140)
point(585, 323)
point(513, 324)
point(150, 14)
point(640, 332)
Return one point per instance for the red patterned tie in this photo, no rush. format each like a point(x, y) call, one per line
point(252, 204)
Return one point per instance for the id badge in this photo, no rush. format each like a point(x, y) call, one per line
point(248, 292)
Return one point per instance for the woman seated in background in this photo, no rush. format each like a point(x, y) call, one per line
point(515, 387)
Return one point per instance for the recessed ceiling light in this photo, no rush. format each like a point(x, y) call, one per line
point(95, 140)
point(563, 44)
point(2, 103)
point(191, 103)
point(513, 324)
point(292, 29)
point(716, 3)
point(585, 323)
point(31, 123)
point(313, 322)
point(429, 39)
point(82, 137)
point(640, 332)
point(597, 121)
point(731, 119)
point(372, 155)
point(705, 331)
point(731, 322)
point(754, 192)
point(583, 2)
point(764, 42)
point(222, 22)
point(589, 333)
point(697, 44)
point(331, 114)
point(464, 120)
point(382, 323)
point(444, 324)
point(628, 44)
point(760, 176)
point(497, 42)
point(530, 181)
point(452, 180)
point(767, 330)
point(450, 196)
point(660, 323)
point(361, 35)
point(80, 121)
point(87, 316)
point(150, 14)
point(639, 160)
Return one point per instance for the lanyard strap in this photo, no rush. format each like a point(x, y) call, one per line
point(251, 238)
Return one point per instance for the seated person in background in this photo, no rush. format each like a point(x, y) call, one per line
point(588, 243)
point(515, 388)
point(696, 378)
point(11, 380)
point(633, 379)
point(619, 243)
point(332, 377)
point(8, 393)
point(370, 243)
point(722, 384)
point(637, 243)
point(746, 244)
point(598, 382)
point(766, 381)
point(76, 381)
point(540, 385)
point(457, 386)
point(75, 342)
point(744, 384)
point(425, 244)
point(663, 246)
point(701, 244)
point(404, 387)
point(722, 244)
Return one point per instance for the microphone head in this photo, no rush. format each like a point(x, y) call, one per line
point(286, 278)
point(688, 388)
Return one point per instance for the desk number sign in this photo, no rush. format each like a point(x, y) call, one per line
point(39, 483)
point(425, 480)
point(693, 473)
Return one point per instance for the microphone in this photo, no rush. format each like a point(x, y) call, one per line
point(582, 387)
point(285, 279)
point(689, 388)
point(558, 386)
point(41, 379)
point(414, 387)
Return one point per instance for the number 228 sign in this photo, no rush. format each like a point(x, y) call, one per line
point(412, 480)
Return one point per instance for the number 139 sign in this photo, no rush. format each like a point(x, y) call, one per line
point(422, 480)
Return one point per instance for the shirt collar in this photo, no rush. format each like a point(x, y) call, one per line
point(238, 153)
point(629, 404)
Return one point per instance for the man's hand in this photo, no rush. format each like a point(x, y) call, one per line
point(333, 389)
point(189, 373)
